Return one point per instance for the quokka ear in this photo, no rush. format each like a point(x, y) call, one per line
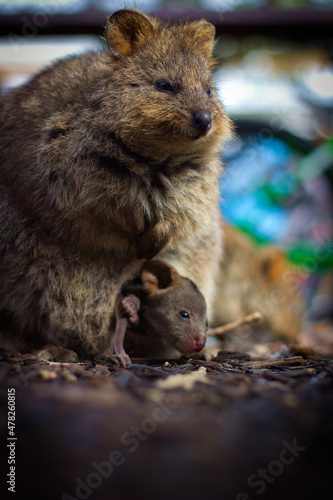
point(126, 31)
point(203, 34)
point(157, 275)
point(274, 263)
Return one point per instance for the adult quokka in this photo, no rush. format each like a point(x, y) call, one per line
point(107, 159)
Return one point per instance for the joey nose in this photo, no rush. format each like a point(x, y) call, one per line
point(202, 121)
point(199, 344)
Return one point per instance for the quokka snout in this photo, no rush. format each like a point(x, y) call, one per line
point(176, 61)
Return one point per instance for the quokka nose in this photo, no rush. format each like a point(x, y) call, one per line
point(202, 121)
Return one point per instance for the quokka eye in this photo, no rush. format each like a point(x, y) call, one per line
point(209, 92)
point(164, 86)
point(184, 314)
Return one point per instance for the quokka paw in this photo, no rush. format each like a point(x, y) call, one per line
point(120, 360)
point(57, 354)
point(153, 241)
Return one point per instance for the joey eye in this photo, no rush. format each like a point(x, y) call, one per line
point(184, 314)
point(164, 86)
point(209, 92)
point(207, 325)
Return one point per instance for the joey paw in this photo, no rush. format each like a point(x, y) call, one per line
point(130, 306)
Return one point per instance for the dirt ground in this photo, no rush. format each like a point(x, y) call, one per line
point(252, 424)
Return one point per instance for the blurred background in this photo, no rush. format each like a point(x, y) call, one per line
point(275, 78)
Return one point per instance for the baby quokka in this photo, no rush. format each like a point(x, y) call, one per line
point(159, 308)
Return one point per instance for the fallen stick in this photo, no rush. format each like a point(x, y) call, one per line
point(220, 330)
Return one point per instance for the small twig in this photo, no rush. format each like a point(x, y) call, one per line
point(220, 330)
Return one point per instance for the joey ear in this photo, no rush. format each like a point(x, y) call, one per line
point(157, 275)
point(273, 263)
point(126, 31)
point(203, 34)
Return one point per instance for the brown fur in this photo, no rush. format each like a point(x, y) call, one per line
point(99, 169)
point(252, 279)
